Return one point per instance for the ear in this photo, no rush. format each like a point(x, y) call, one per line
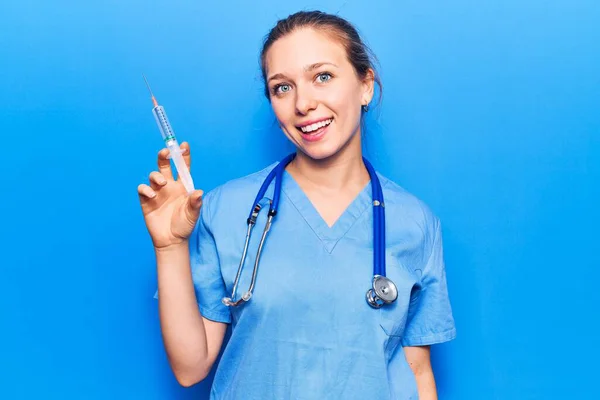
point(368, 87)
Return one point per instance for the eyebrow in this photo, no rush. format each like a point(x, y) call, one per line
point(308, 68)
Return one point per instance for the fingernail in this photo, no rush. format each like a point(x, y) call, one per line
point(162, 182)
point(153, 195)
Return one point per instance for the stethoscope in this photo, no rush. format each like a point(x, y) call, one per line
point(383, 290)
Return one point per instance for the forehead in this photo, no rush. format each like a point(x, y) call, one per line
point(301, 48)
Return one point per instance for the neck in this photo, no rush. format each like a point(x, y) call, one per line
point(343, 170)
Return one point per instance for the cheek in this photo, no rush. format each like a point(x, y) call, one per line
point(344, 100)
point(284, 116)
point(347, 108)
point(281, 109)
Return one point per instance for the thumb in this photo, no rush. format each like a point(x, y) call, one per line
point(193, 204)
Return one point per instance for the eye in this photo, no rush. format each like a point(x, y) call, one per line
point(282, 88)
point(323, 77)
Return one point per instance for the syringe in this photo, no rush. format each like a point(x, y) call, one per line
point(171, 142)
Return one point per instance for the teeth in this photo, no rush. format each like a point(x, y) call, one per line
point(314, 127)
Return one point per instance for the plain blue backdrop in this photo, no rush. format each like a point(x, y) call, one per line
point(491, 115)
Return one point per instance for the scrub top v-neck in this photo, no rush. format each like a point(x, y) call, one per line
point(308, 332)
point(329, 236)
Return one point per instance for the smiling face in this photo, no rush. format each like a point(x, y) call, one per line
point(315, 92)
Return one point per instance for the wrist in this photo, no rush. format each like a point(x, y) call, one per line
point(172, 248)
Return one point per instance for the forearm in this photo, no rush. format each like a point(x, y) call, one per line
point(419, 359)
point(182, 326)
point(426, 385)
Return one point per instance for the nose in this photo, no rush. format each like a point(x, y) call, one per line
point(305, 101)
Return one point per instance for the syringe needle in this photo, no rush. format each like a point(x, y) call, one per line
point(150, 90)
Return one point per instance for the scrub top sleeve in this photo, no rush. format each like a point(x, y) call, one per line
point(206, 271)
point(430, 319)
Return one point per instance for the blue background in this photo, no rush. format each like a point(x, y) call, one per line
point(490, 115)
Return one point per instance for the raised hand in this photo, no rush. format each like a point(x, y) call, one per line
point(169, 212)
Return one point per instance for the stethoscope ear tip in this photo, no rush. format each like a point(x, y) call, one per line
point(227, 301)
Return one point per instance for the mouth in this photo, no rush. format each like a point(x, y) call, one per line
point(314, 127)
point(314, 131)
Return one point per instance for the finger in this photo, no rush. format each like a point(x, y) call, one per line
point(194, 203)
point(164, 164)
point(157, 180)
point(185, 151)
point(145, 192)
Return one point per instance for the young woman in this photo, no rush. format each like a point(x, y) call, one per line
point(325, 314)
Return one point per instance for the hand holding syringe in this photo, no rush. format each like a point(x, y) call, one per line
point(171, 208)
point(171, 142)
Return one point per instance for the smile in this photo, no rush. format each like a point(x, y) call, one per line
point(314, 127)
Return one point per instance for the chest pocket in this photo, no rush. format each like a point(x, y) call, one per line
point(393, 317)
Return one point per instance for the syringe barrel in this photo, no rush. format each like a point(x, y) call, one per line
point(174, 150)
point(163, 123)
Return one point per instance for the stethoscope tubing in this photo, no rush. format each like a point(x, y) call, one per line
point(276, 173)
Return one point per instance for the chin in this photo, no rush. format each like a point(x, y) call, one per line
point(320, 152)
point(329, 145)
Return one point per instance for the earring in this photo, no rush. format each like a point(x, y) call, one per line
point(365, 108)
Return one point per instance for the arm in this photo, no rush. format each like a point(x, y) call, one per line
point(418, 357)
point(430, 320)
point(192, 342)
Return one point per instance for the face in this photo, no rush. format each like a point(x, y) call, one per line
point(315, 92)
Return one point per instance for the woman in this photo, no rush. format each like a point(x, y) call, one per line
point(308, 330)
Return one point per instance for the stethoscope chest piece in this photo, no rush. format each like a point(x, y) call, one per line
point(384, 291)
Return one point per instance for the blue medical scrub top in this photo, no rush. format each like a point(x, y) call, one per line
point(308, 332)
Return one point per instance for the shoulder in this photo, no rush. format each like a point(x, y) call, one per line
point(404, 209)
point(399, 199)
point(235, 192)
